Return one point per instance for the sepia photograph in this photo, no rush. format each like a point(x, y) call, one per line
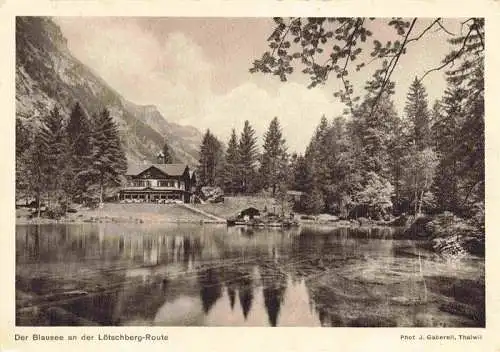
point(250, 171)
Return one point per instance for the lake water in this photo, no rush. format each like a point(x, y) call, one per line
point(194, 275)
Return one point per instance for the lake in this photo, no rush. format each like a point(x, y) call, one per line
point(210, 275)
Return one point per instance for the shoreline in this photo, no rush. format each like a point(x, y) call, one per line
point(66, 221)
point(178, 214)
point(448, 245)
point(121, 220)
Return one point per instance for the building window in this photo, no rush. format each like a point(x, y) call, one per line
point(140, 183)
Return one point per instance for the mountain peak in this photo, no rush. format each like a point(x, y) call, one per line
point(47, 74)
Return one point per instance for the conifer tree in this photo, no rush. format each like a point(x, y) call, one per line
point(419, 158)
point(78, 130)
point(108, 157)
point(469, 74)
point(302, 181)
point(373, 129)
point(248, 157)
point(211, 157)
point(23, 143)
point(274, 165)
point(232, 173)
point(418, 115)
point(166, 154)
point(54, 136)
point(373, 132)
point(445, 131)
point(35, 169)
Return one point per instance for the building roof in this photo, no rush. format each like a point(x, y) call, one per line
point(169, 169)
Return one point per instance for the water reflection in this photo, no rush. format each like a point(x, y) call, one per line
point(245, 293)
point(128, 274)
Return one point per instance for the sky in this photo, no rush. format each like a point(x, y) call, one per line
point(196, 71)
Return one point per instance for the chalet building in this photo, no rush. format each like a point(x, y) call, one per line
point(157, 183)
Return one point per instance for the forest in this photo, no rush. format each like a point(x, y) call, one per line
point(372, 161)
point(428, 160)
point(66, 160)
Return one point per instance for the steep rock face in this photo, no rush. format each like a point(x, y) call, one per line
point(48, 74)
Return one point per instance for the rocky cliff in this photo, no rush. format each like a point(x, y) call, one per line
point(48, 74)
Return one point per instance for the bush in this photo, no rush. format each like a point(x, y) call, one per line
point(91, 202)
point(418, 228)
point(447, 224)
point(363, 221)
point(403, 221)
point(449, 234)
point(55, 212)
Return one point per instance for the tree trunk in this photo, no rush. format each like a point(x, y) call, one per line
point(420, 202)
point(101, 191)
point(38, 196)
point(416, 201)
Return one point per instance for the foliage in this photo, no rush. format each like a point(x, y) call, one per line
point(419, 173)
point(166, 155)
point(274, 165)
point(326, 47)
point(434, 159)
point(313, 202)
point(248, 156)
point(69, 160)
point(23, 144)
point(78, 130)
point(454, 235)
point(108, 158)
point(374, 130)
point(232, 174)
point(211, 158)
point(418, 115)
point(35, 161)
point(375, 195)
point(56, 167)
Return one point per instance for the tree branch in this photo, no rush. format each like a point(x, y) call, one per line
point(462, 24)
point(391, 69)
point(424, 31)
point(358, 24)
point(479, 35)
point(450, 60)
point(284, 36)
point(444, 29)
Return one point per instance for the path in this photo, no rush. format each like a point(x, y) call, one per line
point(201, 212)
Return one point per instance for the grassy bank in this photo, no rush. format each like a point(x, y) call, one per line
point(113, 212)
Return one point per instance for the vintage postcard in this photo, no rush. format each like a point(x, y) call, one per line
point(246, 171)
